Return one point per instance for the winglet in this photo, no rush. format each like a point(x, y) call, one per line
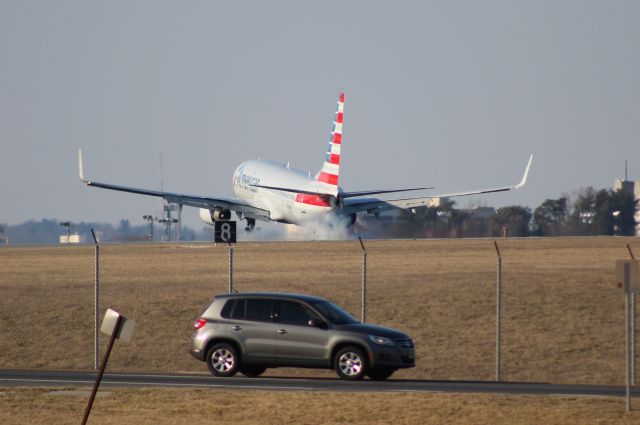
point(526, 174)
point(80, 167)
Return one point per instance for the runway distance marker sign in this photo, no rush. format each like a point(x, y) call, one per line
point(224, 231)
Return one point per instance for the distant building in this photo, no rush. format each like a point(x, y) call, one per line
point(74, 238)
point(482, 213)
point(437, 202)
point(633, 188)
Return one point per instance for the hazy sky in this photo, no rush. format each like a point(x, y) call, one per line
point(454, 94)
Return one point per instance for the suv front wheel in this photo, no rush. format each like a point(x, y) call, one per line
point(350, 363)
point(223, 360)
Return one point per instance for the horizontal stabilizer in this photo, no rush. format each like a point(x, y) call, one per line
point(377, 192)
point(343, 194)
point(286, 189)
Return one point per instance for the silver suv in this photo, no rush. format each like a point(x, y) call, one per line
point(250, 332)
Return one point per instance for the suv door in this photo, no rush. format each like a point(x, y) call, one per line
point(298, 343)
point(251, 323)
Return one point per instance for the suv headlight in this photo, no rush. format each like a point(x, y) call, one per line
point(380, 340)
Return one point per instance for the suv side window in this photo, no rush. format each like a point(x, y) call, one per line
point(239, 309)
point(259, 310)
point(226, 310)
point(293, 313)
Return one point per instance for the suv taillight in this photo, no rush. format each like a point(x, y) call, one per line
point(199, 323)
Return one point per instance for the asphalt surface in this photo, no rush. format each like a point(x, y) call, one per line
point(57, 378)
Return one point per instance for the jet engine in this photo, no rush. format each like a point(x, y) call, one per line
point(211, 216)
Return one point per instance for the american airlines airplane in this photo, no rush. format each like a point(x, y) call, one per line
point(269, 191)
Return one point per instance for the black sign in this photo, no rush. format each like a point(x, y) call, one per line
point(225, 231)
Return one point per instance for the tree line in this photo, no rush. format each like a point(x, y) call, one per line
point(589, 212)
point(48, 231)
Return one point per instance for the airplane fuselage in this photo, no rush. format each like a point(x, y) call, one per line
point(284, 206)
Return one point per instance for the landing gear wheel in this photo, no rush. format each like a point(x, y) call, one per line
point(350, 363)
point(223, 360)
point(380, 374)
point(252, 371)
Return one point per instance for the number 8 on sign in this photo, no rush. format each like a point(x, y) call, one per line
point(225, 231)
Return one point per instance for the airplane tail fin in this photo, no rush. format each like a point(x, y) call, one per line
point(330, 173)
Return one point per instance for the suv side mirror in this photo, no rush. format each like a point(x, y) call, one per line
point(317, 323)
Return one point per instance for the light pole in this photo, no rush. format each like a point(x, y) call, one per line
point(168, 220)
point(68, 225)
point(150, 219)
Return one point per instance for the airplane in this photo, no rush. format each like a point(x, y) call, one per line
point(269, 191)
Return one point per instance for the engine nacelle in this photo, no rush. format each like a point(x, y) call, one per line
point(211, 216)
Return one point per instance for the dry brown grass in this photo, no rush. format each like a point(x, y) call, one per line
point(563, 318)
point(189, 406)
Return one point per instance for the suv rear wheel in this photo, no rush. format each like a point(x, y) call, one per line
point(350, 363)
point(223, 360)
point(252, 371)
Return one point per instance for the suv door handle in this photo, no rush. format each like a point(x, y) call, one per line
point(282, 331)
point(237, 328)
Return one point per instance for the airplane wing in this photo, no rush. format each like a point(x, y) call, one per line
point(375, 205)
point(238, 205)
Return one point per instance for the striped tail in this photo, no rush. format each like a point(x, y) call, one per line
point(330, 172)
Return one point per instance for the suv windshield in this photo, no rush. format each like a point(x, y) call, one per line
point(333, 313)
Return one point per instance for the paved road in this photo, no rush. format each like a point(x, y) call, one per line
point(41, 378)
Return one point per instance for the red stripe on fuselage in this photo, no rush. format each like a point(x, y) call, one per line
point(334, 159)
point(317, 200)
point(337, 138)
point(339, 117)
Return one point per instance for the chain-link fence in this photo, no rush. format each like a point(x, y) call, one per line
point(562, 316)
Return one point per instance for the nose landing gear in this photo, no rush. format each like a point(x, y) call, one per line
point(251, 224)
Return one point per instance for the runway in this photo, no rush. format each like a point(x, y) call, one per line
point(59, 378)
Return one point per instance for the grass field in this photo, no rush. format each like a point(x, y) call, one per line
point(189, 406)
point(563, 318)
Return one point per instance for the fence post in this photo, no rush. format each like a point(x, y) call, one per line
point(230, 268)
point(633, 328)
point(363, 287)
point(96, 331)
point(498, 307)
point(627, 296)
